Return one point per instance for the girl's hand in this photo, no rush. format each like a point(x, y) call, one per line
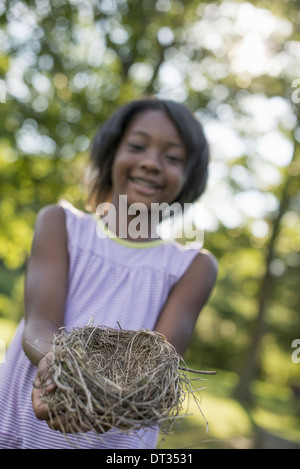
point(43, 383)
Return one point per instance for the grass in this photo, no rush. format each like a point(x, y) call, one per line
point(234, 426)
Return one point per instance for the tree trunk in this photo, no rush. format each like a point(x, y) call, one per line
point(251, 364)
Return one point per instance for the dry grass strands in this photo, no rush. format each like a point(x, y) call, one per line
point(114, 378)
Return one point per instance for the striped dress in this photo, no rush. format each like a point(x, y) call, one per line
point(111, 280)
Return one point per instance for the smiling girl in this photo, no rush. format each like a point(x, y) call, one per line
point(151, 152)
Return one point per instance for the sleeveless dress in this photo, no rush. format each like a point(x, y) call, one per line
point(111, 280)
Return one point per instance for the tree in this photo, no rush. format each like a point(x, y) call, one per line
point(252, 361)
point(68, 65)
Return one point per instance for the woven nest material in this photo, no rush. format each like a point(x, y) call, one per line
point(114, 378)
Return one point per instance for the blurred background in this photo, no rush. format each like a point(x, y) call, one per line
point(65, 66)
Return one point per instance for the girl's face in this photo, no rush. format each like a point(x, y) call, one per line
point(150, 161)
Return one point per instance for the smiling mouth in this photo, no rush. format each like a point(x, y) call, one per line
point(145, 183)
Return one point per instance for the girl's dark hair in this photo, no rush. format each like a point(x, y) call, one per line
point(108, 137)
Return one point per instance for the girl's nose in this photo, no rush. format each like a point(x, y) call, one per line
point(151, 161)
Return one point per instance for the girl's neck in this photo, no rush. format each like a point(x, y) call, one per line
point(130, 222)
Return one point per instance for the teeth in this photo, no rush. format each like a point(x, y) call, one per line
point(145, 183)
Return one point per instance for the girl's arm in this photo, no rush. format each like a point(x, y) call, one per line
point(46, 283)
point(187, 298)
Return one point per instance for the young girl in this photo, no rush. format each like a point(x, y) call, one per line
point(150, 152)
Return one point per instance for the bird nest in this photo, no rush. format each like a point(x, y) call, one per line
point(113, 378)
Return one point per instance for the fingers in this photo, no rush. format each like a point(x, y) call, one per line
point(43, 370)
point(39, 407)
point(42, 383)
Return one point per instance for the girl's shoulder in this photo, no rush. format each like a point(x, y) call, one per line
point(63, 217)
point(50, 237)
point(50, 215)
point(206, 260)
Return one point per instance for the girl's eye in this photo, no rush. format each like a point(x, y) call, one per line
point(135, 147)
point(173, 158)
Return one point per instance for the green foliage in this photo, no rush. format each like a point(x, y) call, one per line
point(68, 65)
